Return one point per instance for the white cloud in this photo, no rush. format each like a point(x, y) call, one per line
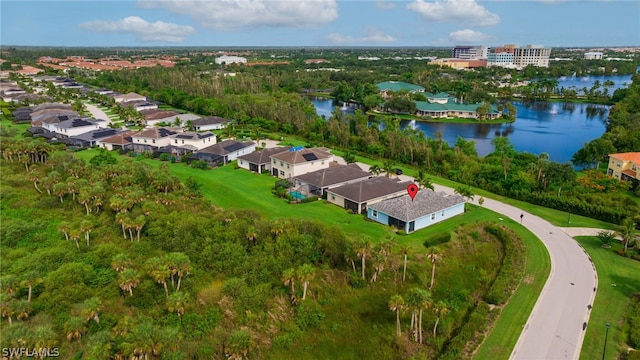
point(467, 12)
point(468, 36)
point(370, 36)
point(385, 5)
point(142, 29)
point(233, 14)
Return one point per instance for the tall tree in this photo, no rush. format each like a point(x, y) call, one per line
point(433, 255)
point(397, 305)
point(305, 273)
point(627, 232)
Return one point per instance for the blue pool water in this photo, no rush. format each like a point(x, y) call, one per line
point(297, 195)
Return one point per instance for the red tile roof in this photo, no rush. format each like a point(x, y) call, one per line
point(634, 157)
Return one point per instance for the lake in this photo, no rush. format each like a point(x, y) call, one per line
point(559, 129)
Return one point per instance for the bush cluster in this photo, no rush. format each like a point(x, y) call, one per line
point(512, 268)
point(437, 239)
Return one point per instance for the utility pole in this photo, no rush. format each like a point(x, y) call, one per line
point(606, 335)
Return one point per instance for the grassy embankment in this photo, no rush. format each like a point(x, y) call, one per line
point(617, 280)
point(252, 191)
point(454, 120)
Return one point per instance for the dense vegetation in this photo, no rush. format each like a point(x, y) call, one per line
point(114, 257)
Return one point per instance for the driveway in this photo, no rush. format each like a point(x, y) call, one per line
point(97, 113)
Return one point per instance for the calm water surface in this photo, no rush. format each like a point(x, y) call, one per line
point(559, 129)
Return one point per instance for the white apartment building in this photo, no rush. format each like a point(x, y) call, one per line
point(593, 55)
point(535, 55)
point(224, 59)
point(470, 52)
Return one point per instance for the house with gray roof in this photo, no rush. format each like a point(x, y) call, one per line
point(426, 208)
point(151, 138)
point(318, 182)
point(298, 161)
point(260, 161)
point(120, 98)
point(194, 140)
point(75, 126)
point(90, 138)
point(119, 141)
point(210, 123)
point(224, 151)
point(357, 196)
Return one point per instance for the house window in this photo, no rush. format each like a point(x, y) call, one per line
point(433, 216)
point(281, 173)
point(633, 167)
point(374, 213)
point(287, 166)
point(154, 141)
point(323, 163)
point(241, 162)
point(442, 213)
point(619, 163)
point(145, 141)
point(281, 163)
point(333, 197)
point(183, 141)
point(176, 141)
point(274, 161)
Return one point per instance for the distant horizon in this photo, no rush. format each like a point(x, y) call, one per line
point(298, 47)
point(318, 23)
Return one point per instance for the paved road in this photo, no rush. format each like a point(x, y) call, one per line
point(555, 329)
point(97, 113)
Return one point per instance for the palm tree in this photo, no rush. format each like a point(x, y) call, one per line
point(305, 273)
point(100, 346)
point(91, 309)
point(128, 280)
point(180, 266)
point(288, 279)
point(30, 279)
point(120, 262)
point(64, 227)
point(627, 232)
point(375, 169)
point(441, 310)
point(75, 327)
point(423, 181)
point(417, 300)
point(159, 271)
point(397, 305)
point(21, 309)
point(465, 192)
point(387, 167)
point(404, 250)
point(434, 256)
point(176, 303)
point(42, 337)
point(363, 247)
point(6, 307)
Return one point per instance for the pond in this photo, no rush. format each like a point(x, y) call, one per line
point(559, 129)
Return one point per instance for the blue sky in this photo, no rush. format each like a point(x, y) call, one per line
point(226, 23)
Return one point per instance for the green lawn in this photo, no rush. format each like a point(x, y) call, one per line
point(617, 279)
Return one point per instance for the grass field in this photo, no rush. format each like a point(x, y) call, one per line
point(618, 278)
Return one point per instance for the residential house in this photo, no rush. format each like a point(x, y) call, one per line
point(120, 141)
point(318, 182)
point(358, 195)
point(454, 109)
point(76, 126)
point(149, 139)
point(224, 151)
point(139, 105)
point(298, 161)
point(90, 138)
point(22, 115)
point(120, 98)
point(194, 140)
point(624, 166)
point(210, 123)
point(260, 161)
point(426, 208)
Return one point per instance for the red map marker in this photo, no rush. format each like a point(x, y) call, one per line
point(412, 189)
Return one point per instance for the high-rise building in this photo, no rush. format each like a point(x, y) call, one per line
point(535, 55)
point(593, 55)
point(470, 52)
point(516, 57)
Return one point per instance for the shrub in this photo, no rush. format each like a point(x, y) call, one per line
point(401, 232)
point(309, 314)
point(437, 239)
point(309, 199)
point(356, 281)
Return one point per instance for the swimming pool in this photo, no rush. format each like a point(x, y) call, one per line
point(298, 195)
